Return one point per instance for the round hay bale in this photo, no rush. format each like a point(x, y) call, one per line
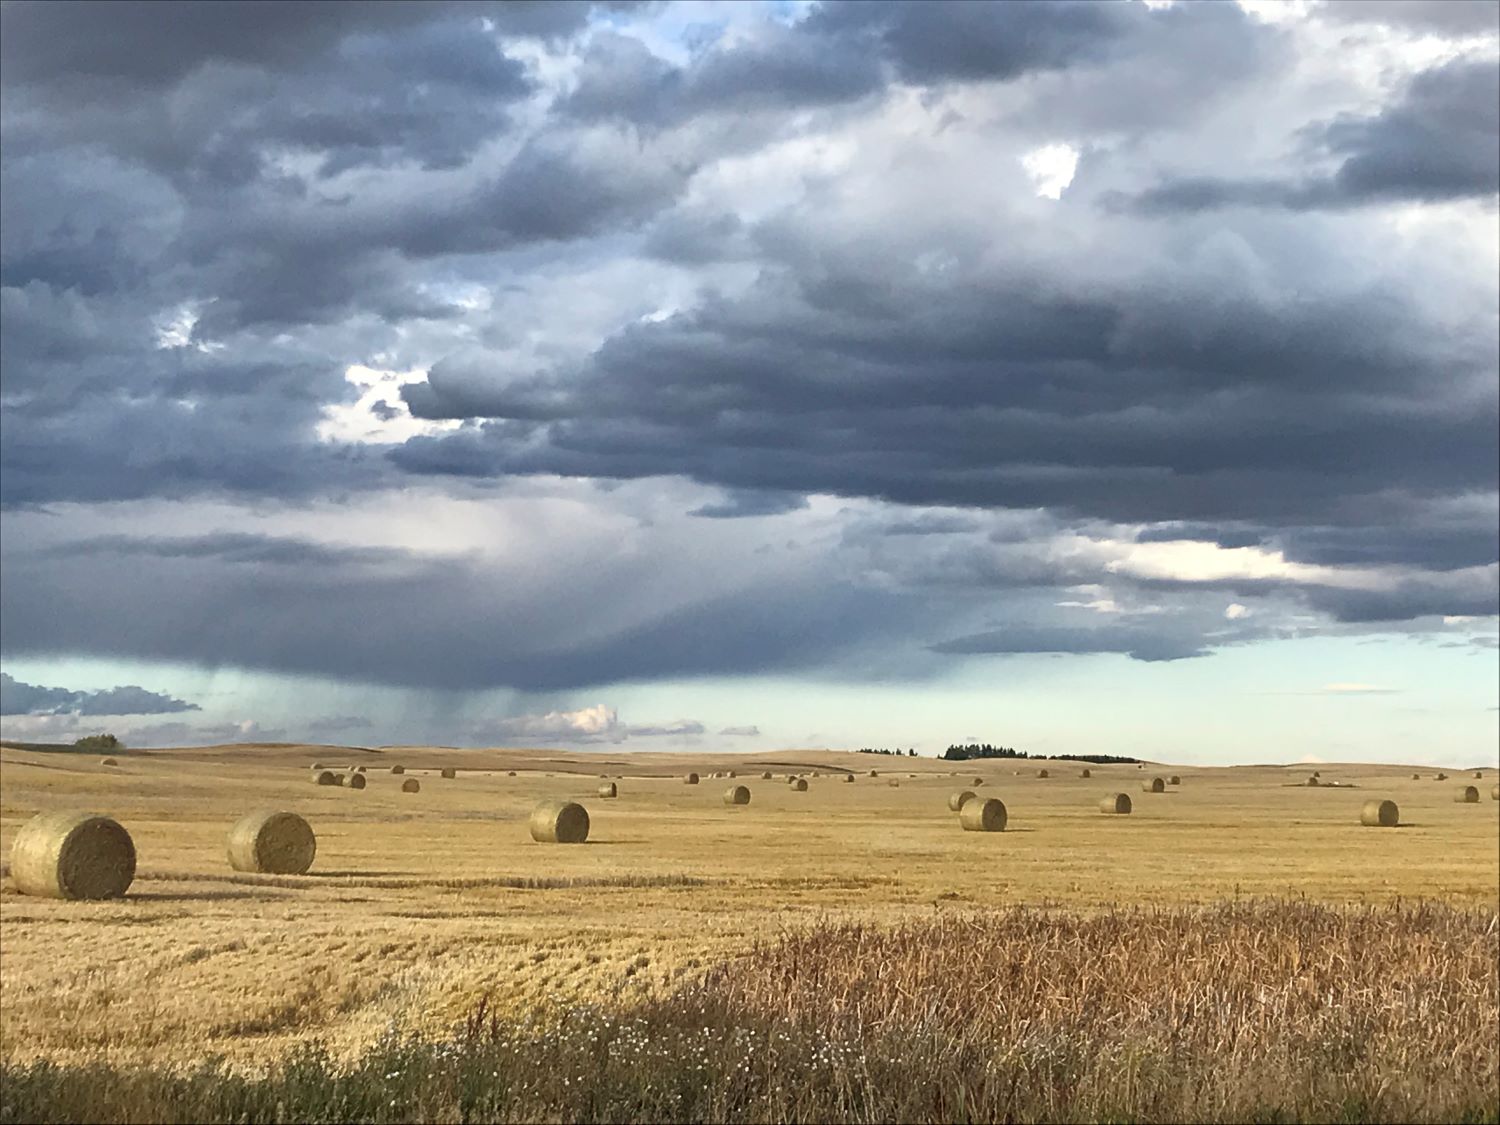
point(356, 781)
point(848, 777)
point(1043, 773)
point(272, 843)
point(449, 772)
point(1441, 777)
point(765, 775)
point(690, 779)
point(1155, 785)
point(109, 762)
point(359, 769)
point(609, 790)
point(411, 785)
point(1116, 804)
point(985, 814)
point(1478, 775)
point(559, 822)
point(799, 784)
point(737, 795)
point(874, 773)
point(1468, 795)
point(73, 855)
point(976, 781)
point(1317, 773)
point(731, 773)
point(956, 801)
point(1416, 777)
point(398, 769)
point(511, 773)
point(1175, 780)
point(1495, 792)
point(327, 777)
point(1085, 773)
point(318, 765)
point(1313, 781)
point(1380, 814)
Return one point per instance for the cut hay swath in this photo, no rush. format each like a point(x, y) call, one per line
point(737, 795)
point(956, 801)
point(609, 790)
point(1116, 804)
point(327, 777)
point(272, 842)
point(449, 772)
point(356, 781)
point(799, 784)
point(1380, 814)
point(1085, 773)
point(1155, 785)
point(559, 822)
point(411, 785)
point(1467, 795)
point(72, 855)
point(983, 814)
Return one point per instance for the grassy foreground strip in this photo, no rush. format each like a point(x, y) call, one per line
point(1245, 1012)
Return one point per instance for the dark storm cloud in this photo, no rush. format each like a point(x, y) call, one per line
point(1440, 141)
point(741, 732)
point(751, 502)
point(232, 547)
point(1140, 643)
point(20, 698)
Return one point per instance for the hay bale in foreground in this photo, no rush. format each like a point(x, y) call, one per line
point(327, 777)
point(411, 785)
point(559, 822)
point(1117, 804)
point(272, 843)
point(1495, 792)
point(609, 790)
point(72, 855)
point(983, 815)
point(1155, 785)
point(109, 761)
point(1380, 814)
point(737, 795)
point(690, 779)
point(1043, 773)
point(449, 772)
point(1467, 795)
point(1085, 773)
point(799, 784)
point(956, 801)
point(1175, 780)
point(356, 781)
point(398, 769)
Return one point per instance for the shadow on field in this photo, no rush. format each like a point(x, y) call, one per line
point(200, 896)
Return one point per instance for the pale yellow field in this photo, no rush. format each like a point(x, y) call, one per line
point(419, 904)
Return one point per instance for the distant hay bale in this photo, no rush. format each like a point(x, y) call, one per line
point(983, 814)
point(1441, 777)
point(1116, 804)
point(815, 773)
point(317, 765)
point(1043, 773)
point(1478, 775)
point(737, 795)
point(765, 775)
point(731, 773)
point(1380, 814)
point(874, 773)
point(1416, 777)
point(359, 769)
point(1155, 785)
point(398, 769)
point(1313, 781)
point(356, 781)
point(848, 777)
point(893, 783)
point(327, 777)
point(511, 773)
point(1175, 780)
point(559, 822)
point(1495, 792)
point(272, 843)
point(976, 781)
point(411, 785)
point(690, 779)
point(448, 772)
point(1085, 773)
point(72, 855)
point(799, 784)
point(1467, 795)
point(1317, 773)
point(609, 790)
point(108, 762)
point(956, 801)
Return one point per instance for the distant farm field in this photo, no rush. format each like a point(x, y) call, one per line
point(421, 906)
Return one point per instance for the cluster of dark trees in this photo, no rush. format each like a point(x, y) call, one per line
point(99, 742)
point(912, 753)
point(985, 750)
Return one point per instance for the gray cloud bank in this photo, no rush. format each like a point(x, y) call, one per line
point(20, 698)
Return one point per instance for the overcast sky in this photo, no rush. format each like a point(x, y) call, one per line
point(1114, 377)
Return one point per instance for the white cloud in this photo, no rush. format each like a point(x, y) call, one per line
point(378, 416)
point(1234, 611)
point(1051, 169)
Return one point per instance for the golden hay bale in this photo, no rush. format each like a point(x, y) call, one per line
point(1043, 773)
point(1313, 781)
point(983, 815)
point(1478, 775)
point(609, 790)
point(356, 781)
point(1116, 804)
point(1495, 792)
point(799, 784)
point(1468, 795)
point(559, 822)
point(411, 785)
point(848, 777)
point(1416, 777)
point(511, 773)
point(690, 779)
point(874, 773)
point(731, 773)
point(359, 769)
point(272, 843)
point(1175, 780)
point(957, 801)
point(765, 775)
point(318, 766)
point(976, 781)
point(327, 777)
point(1085, 773)
point(737, 795)
point(72, 855)
point(108, 762)
point(1317, 773)
point(1155, 785)
point(1441, 777)
point(449, 772)
point(398, 769)
point(1380, 814)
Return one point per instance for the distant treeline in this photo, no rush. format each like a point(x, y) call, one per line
point(900, 753)
point(985, 750)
